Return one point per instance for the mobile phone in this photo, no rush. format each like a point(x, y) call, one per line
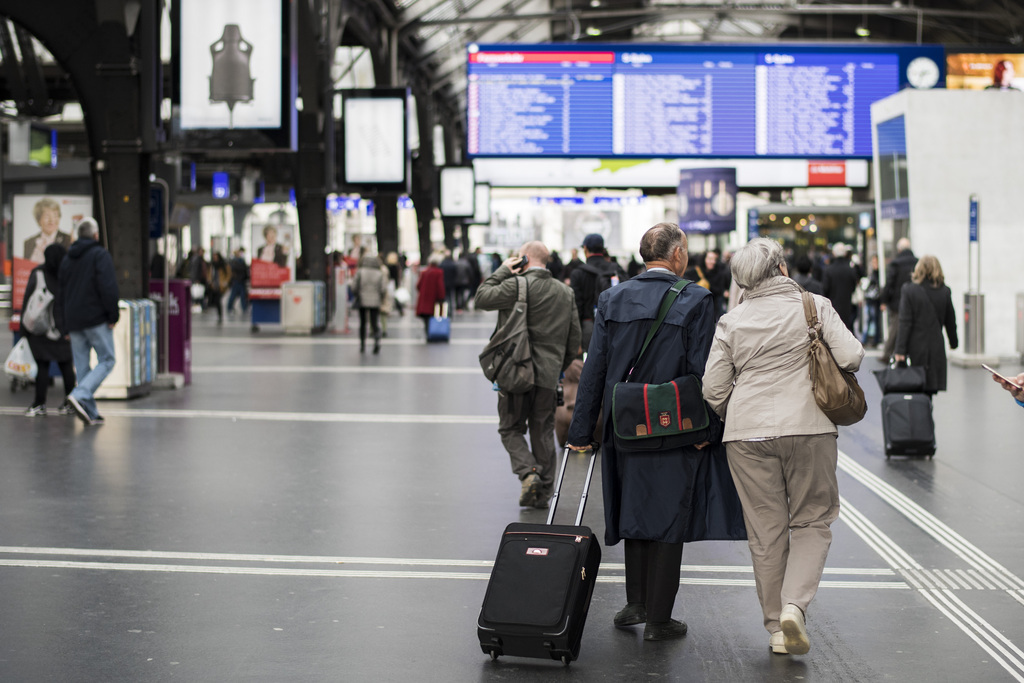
point(523, 262)
point(1002, 377)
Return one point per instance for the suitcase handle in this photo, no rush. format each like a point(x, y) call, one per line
point(586, 485)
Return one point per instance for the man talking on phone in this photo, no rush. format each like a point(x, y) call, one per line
point(554, 331)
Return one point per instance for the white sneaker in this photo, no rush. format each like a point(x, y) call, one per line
point(777, 643)
point(794, 632)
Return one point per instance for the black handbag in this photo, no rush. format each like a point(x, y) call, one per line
point(656, 417)
point(901, 378)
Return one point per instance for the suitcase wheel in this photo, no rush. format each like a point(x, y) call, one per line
point(494, 655)
point(566, 660)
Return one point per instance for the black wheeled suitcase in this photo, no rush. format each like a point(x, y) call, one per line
point(539, 592)
point(907, 425)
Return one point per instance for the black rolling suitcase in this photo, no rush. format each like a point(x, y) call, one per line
point(907, 424)
point(539, 592)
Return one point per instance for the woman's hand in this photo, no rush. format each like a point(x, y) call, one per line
point(899, 358)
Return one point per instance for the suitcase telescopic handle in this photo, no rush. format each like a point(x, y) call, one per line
point(586, 485)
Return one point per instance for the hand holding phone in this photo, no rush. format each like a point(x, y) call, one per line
point(1008, 380)
point(518, 263)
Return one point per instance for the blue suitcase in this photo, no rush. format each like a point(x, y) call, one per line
point(439, 326)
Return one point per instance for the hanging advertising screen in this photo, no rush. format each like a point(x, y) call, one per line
point(736, 101)
point(985, 70)
point(39, 221)
point(482, 204)
point(236, 71)
point(458, 191)
point(893, 194)
point(374, 140)
point(707, 200)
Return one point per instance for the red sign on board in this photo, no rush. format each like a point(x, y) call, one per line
point(826, 174)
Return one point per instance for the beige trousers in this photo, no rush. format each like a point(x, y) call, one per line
point(790, 498)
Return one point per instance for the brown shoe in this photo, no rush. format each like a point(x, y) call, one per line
point(530, 490)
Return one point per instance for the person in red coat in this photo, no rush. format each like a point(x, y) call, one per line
point(430, 289)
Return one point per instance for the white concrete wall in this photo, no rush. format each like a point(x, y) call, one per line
point(963, 142)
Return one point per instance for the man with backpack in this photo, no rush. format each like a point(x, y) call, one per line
point(592, 277)
point(554, 339)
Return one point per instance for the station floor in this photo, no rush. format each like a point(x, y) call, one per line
point(304, 512)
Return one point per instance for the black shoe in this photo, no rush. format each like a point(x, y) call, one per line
point(630, 615)
point(665, 630)
point(376, 347)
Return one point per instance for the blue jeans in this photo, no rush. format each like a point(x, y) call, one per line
point(100, 338)
point(238, 292)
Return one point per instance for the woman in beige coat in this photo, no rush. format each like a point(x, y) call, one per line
point(782, 449)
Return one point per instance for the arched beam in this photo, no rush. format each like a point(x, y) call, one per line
point(91, 42)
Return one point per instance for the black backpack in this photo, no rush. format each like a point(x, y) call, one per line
point(603, 278)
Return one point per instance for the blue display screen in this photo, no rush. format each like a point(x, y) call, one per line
point(679, 101)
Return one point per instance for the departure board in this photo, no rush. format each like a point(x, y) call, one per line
point(678, 101)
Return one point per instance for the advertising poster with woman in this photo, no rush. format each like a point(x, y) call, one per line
point(39, 221)
point(273, 259)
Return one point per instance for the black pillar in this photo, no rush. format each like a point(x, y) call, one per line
point(311, 176)
point(424, 175)
point(386, 212)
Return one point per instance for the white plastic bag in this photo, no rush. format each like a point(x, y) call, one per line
point(20, 362)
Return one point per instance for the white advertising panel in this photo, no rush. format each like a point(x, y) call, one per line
point(39, 221)
point(375, 144)
point(482, 207)
point(458, 188)
point(231, 64)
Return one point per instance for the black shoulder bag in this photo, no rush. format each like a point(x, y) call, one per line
point(657, 417)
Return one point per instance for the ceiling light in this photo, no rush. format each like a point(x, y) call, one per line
point(595, 3)
point(862, 31)
point(593, 31)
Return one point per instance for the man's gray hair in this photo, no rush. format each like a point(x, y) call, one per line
point(88, 229)
point(758, 260)
point(658, 243)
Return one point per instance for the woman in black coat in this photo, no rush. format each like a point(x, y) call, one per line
point(53, 346)
point(926, 306)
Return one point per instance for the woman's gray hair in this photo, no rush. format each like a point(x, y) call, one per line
point(757, 261)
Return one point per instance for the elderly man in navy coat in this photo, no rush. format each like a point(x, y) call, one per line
point(648, 496)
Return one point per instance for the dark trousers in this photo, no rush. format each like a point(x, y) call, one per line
point(893, 317)
point(373, 316)
point(67, 371)
point(587, 330)
point(652, 576)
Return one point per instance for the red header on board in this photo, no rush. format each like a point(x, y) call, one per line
point(541, 57)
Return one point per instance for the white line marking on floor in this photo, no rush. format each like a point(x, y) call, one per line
point(980, 631)
point(333, 369)
point(394, 561)
point(930, 524)
point(268, 416)
point(376, 574)
point(330, 341)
